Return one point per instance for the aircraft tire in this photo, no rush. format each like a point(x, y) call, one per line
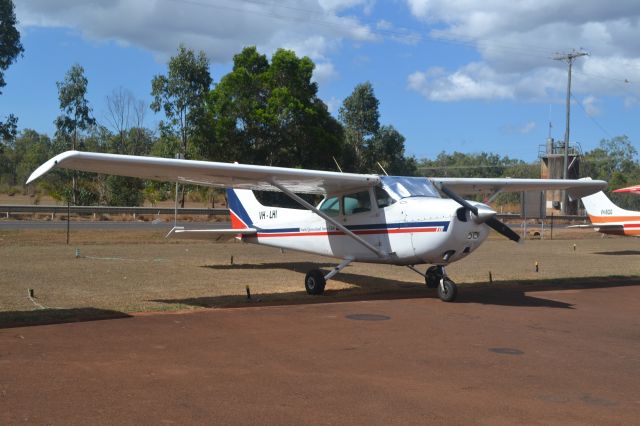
point(447, 290)
point(433, 276)
point(314, 282)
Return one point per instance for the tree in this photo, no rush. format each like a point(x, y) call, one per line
point(367, 144)
point(387, 150)
point(360, 117)
point(10, 48)
point(613, 160)
point(236, 107)
point(482, 164)
point(76, 112)
point(125, 116)
point(269, 113)
point(181, 93)
point(31, 149)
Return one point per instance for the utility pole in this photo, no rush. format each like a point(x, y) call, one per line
point(568, 58)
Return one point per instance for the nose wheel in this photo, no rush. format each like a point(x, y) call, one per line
point(447, 290)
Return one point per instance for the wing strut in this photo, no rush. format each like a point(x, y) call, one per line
point(328, 218)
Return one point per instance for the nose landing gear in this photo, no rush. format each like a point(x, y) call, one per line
point(436, 277)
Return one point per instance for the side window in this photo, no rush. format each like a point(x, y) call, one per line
point(331, 206)
point(382, 198)
point(356, 203)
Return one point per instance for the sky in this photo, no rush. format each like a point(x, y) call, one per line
point(450, 75)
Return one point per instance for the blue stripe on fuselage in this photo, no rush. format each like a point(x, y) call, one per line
point(373, 226)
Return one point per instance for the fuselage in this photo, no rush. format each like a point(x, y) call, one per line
point(413, 230)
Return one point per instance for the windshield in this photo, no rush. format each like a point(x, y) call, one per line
point(402, 187)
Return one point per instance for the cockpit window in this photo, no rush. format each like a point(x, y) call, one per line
point(403, 187)
point(382, 198)
point(358, 202)
point(331, 206)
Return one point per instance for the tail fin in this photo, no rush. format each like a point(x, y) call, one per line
point(599, 205)
point(243, 207)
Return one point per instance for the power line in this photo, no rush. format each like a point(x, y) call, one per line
point(590, 117)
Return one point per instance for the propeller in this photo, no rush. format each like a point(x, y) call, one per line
point(483, 215)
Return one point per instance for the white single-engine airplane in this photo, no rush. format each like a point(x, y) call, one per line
point(363, 217)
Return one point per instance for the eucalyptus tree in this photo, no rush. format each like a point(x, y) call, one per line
point(76, 113)
point(181, 94)
point(10, 49)
point(360, 117)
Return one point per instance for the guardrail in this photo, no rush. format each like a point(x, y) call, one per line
point(55, 209)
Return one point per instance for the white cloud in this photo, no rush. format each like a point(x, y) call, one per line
point(475, 81)
point(517, 41)
point(324, 71)
point(527, 128)
point(520, 129)
point(384, 25)
point(630, 102)
point(221, 28)
point(590, 106)
point(337, 5)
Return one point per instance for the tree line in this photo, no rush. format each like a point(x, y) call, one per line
point(264, 111)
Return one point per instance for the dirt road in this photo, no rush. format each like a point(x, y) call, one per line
point(498, 357)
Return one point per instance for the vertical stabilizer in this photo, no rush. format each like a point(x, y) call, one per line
point(599, 205)
point(243, 207)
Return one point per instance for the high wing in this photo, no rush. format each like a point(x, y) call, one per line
point(243, 176)
point(575, 188)
point(207, 173)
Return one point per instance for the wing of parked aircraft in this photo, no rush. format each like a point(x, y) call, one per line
point(630, 190)
point(207, 173)
point(243, 176)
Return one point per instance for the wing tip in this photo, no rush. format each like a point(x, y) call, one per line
point(49, 165)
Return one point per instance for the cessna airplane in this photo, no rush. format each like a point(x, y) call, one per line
point(608, 218)
point(362, 217)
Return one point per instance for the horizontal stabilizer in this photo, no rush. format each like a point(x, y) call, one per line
point(207, 234)
point(615, 229)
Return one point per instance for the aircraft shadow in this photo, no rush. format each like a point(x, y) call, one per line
point(292, 266)
point(620, 253)
point(13, 319)
point(501, 293)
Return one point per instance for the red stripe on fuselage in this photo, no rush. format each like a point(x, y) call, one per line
point(365, 232)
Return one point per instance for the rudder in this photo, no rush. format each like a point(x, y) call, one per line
point(243, 207)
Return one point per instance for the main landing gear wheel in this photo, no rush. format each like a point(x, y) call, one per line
point(433, 276)
point(314, 282)
point(447, 290)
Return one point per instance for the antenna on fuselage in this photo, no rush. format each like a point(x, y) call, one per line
point(380, 165)
point(336, 161)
